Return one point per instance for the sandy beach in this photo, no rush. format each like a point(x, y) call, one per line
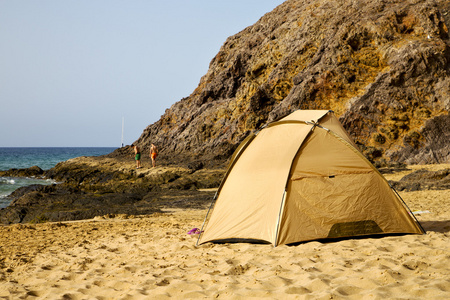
point(153, 257)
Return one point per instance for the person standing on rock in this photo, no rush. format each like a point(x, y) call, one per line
point(137, 156)
point(153, 154)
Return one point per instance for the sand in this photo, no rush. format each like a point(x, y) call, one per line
point(153, 257)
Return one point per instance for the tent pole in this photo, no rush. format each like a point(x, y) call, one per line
point(279, 218)
point(409, 210)
point(206, 217)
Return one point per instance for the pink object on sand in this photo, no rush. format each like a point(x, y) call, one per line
point(194, 231)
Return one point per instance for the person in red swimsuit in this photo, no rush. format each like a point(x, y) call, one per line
point(153, 154)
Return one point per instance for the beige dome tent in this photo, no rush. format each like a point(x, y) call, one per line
point(299, 179)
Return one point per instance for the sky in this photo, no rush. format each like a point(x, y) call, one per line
point(72, 71)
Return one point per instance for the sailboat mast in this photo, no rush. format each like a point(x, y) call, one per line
point(123, 121)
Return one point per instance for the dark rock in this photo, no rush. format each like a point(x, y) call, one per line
point(97, 186)
point(12, 215)
point(429, 146)
point(34, 171)
point(195, 165)
point(424, 180)
point(385, 168)
point(63, 204)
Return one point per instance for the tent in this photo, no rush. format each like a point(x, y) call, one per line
point(300, 179)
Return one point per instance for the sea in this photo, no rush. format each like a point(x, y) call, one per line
point(43, 157)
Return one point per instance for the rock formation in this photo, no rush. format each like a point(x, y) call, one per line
point(97, 186)
point(34, 171)
point(383, 66)
point(424, 180)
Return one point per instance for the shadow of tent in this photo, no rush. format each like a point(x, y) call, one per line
point(437, 226)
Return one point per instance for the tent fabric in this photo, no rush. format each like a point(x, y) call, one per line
point(302, 178)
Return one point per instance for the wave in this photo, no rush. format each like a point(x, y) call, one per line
point(6, 180)
point(10, 184)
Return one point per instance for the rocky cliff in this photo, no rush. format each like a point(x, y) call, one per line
point(383, 66)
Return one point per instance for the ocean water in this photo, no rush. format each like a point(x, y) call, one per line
point(43, 157)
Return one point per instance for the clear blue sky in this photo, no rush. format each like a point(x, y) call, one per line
point(71, 70)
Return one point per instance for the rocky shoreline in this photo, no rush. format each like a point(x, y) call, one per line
point(97, 186)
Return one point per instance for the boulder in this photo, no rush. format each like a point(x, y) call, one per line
point(34, 171)
point(424, 180)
